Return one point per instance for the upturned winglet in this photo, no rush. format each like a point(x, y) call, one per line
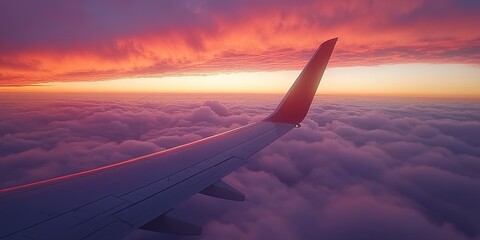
point(297, 101)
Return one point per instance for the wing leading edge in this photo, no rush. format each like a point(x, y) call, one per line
point(112, 201)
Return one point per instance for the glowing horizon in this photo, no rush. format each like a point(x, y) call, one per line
point(419, 80)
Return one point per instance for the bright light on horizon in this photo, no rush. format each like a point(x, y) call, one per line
point(437, 80)
point(417, 79)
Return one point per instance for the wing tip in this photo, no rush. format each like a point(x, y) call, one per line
point(297, 101)
point(335, 39)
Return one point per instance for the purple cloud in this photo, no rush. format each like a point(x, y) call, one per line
point(357, 168)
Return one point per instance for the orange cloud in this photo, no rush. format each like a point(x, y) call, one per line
point(109, 40)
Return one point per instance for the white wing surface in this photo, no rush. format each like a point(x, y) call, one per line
point(111, 201)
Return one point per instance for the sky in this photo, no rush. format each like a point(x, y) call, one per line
point(389, 149)
point(410, 48)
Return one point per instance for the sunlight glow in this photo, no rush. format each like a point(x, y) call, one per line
point(430, 80)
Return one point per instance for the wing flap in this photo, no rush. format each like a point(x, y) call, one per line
point(148, 209)
point(223, 190)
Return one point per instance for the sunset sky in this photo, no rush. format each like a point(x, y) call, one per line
point(390, 148)
point(412, 47)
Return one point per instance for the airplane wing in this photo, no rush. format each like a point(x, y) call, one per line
point(109, 202)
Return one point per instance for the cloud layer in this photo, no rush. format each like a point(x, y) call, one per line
point(94, 40)
point(358, 168)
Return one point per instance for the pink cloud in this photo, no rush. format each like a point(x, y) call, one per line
point(387, 169)
point(64, 41)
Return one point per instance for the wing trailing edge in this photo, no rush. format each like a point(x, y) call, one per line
point(297, 101)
